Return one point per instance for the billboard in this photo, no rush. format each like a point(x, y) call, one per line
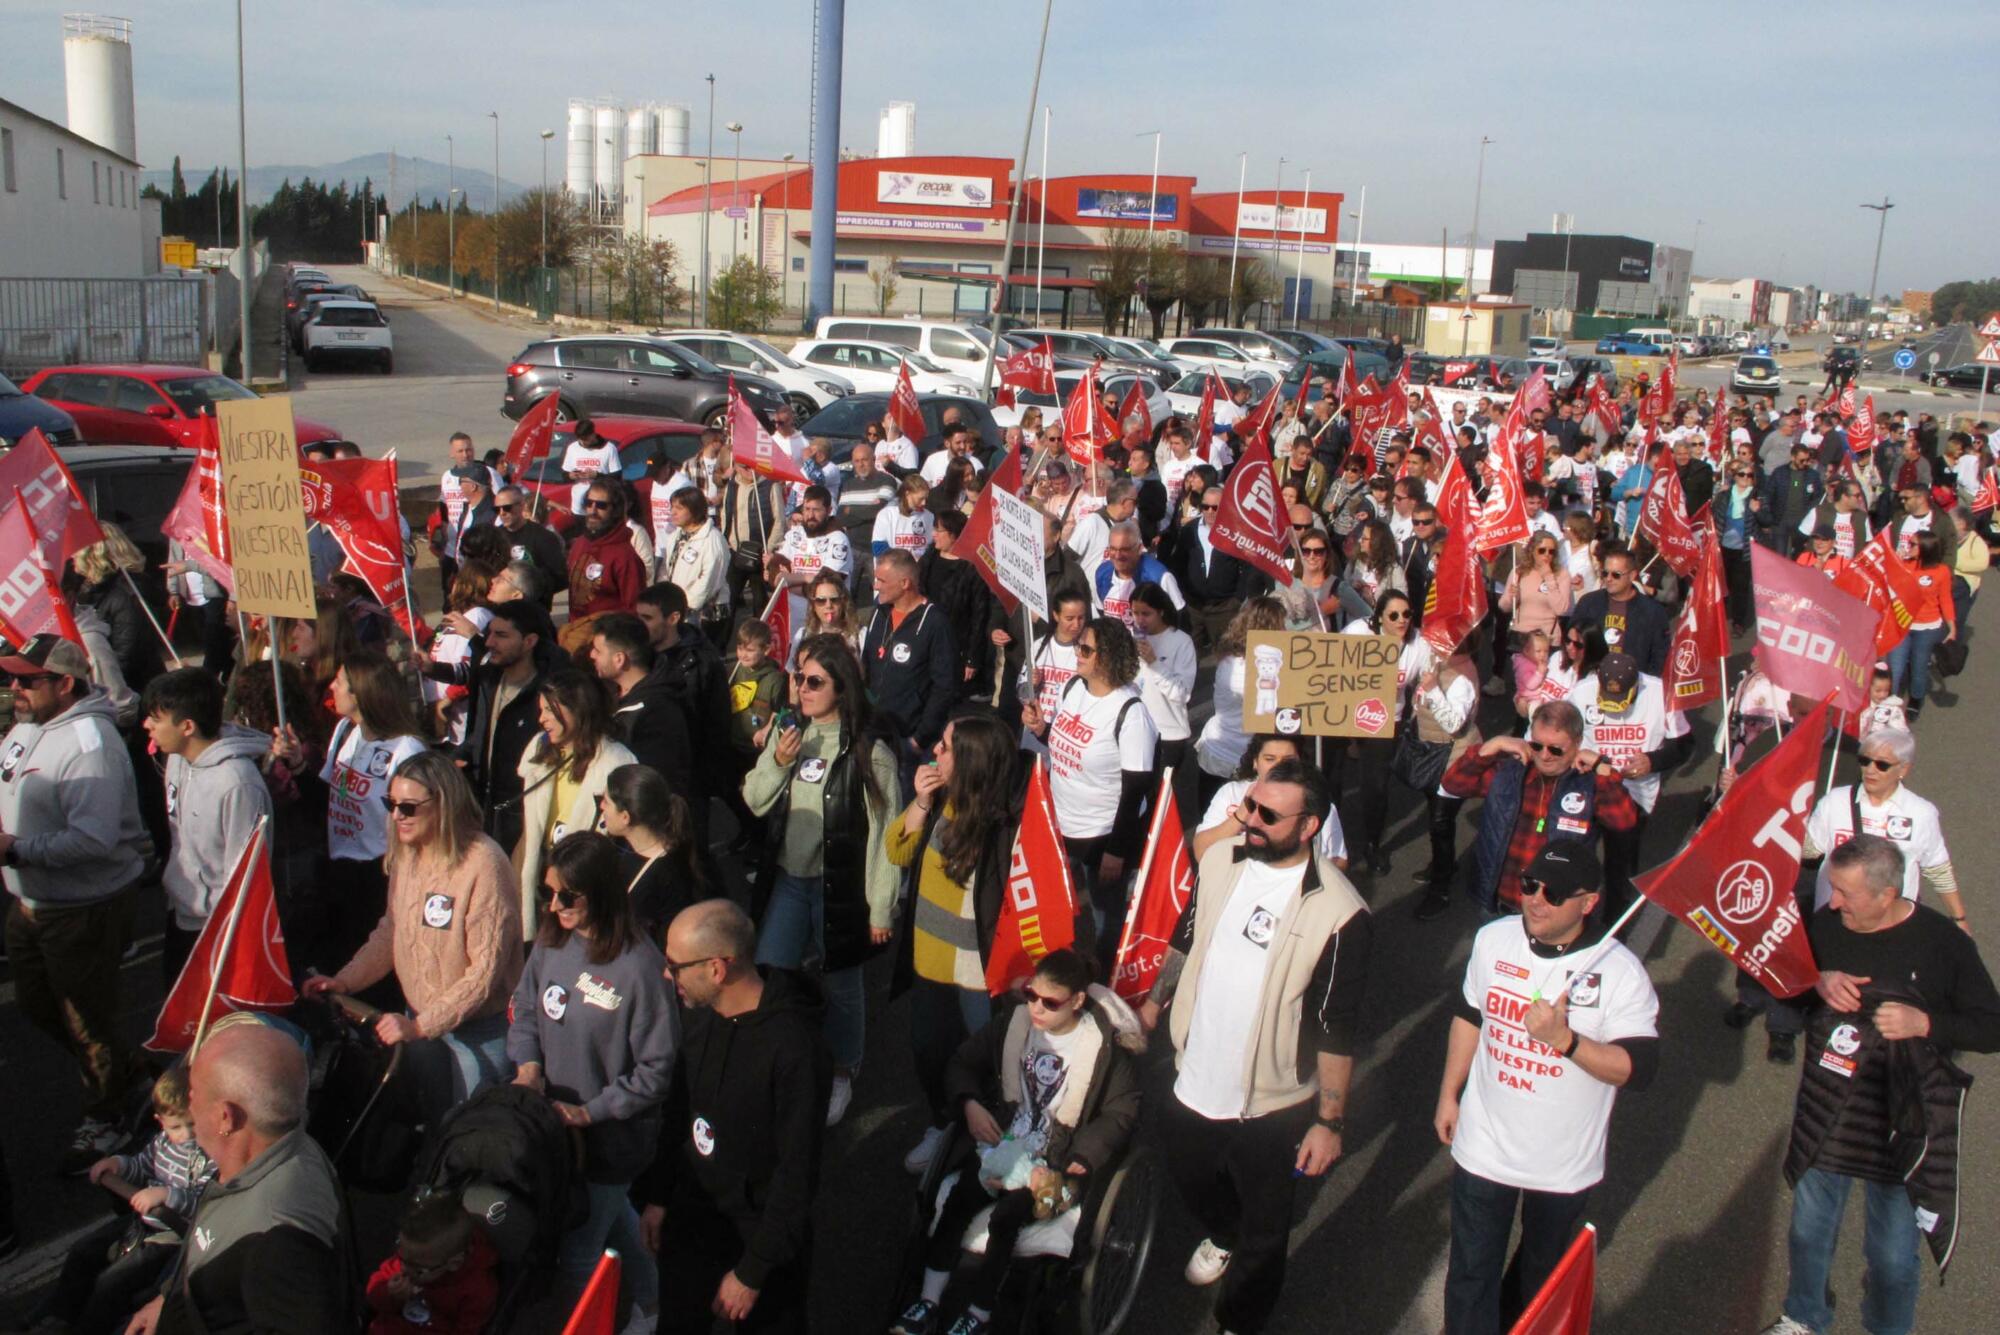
point(1136, 205)
point(948, 192)
point(1258, 218)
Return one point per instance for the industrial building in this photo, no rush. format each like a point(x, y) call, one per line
point(1609, 275)
point(1439, 267)
point(1737, 303)
point(601, 135)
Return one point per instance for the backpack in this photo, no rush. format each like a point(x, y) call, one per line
point(508, 1137)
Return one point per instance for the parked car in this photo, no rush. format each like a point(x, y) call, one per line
point(295, 318)
point(846, 422)
point(1087, 347)
point(1257, 344)
point(1561, 372)
point(634, 374)
point(1327, 366)
point(1304, 341)
point(1378, 347)
point(1756, 373)
point(1965, 375)
point(876, 366)
point(1114, 386)
point(1543, 345)
point(957, 347)
point(809, 388)
point(1223, 356)
point(1590, 369)
point(147, 404)
point(21, 412)
point(1630, 345)
point(641, 441)
point(1145, 356)
point(1184, 395)
point(1428, 368)
point(352, 331)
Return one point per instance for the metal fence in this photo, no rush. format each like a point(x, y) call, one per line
point(58, 321)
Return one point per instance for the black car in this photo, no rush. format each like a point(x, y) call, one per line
point(1379, 346)
point(845, 421)
point(630, 374)
point(21, 413)
point(1965, 375)
point(1304, 341)
point(1327, 366)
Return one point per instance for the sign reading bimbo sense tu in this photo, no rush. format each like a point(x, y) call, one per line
point(259, 459)
point(1316, 684)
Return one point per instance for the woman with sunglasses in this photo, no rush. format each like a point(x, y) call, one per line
point(563, 772)
point(830, 610)
point(1539, 591)
point(1735, 513)
point(451, 935)
point(1312, 601)
point(1222, 739)
point(1061, 1073)
point(662, 874)
point(595, 1028)
point(1224, 817)
point(1373, 570)
point(823, 784)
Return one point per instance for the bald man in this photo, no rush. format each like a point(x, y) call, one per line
point(265, 1247)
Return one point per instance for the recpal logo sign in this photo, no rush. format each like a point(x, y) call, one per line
point(950, 192)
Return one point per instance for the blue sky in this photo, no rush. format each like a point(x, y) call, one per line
point(1770, 123)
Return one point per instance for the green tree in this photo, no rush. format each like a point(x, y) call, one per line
point(1205, 288)
point(1966, 299)
point(645, 277)
point(746, 295)
point(1116, 280)
point(883, 276)
point(521, 232)
point(1254, 286)
point(1163, 280)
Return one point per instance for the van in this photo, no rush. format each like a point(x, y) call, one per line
point(1659, 335)
point(960, 348)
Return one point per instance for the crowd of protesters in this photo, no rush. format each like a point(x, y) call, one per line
point(506, 831)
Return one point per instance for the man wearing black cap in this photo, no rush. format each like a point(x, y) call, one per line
point(72, 848)
point(1549, 1029)
point(1628, 727)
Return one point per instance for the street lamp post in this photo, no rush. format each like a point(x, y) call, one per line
point(546, 136)
point(450, 217)
point(1299, 272)
point(496, 210)
point(1152, 200)
point(1236, 234)
point(244, 250)
point(1354, 255)
point(1875, 274)
point(707, 179)
point(735, 189)
point(1277, 216)
point(1471, 248)
point(785, 235)
point(1042, 228)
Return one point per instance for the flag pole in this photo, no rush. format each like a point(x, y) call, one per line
point(1834, 758)
point(1610, 939)
point(228, 932)
point(1145, 870)
point(158, 629)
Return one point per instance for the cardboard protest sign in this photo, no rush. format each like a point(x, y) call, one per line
point(259, 458)
point(1017, 550)
point(1316, 684)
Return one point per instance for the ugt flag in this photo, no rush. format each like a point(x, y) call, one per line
point(753, 447)
point(1039, 913)
point(239, 958)
point(532, 434)
point(356, 500)
point(1251, 525)
point(1166, 880)
point(1733, 882)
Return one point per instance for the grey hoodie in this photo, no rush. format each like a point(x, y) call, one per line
point(213, 806)
point(67, 797)
point(104, 669)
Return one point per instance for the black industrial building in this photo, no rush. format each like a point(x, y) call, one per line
point(1593, 260)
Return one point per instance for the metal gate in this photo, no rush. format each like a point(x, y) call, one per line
point(63, 321)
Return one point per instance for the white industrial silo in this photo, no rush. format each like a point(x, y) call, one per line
point(608, 153)
point(897, 135)
point(642, 131)
point(97, 67)
point(577, 173)
point(674, 121)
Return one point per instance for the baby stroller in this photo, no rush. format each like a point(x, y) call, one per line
point(1076, 1273)
point(361, 1115)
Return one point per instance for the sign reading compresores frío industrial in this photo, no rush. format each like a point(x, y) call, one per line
point(1317, 684)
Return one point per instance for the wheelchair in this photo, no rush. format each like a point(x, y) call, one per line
point(1075, 1274)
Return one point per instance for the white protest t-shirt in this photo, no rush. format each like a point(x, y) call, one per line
point(1118, 591)
point(810, 555)
point(1214, 1069)
point(1905, 820)
point(1090, 542)
point(356, 774)
point(904, 533)
point(1173, 476)
point(580, 458)
point(664, 528)
point(900, 452)
point(933, 470)
point(1529, 1118)
point(1088, 752)
point(1619, 737)
point(1054, 665)
point(450, 649)
point(1332, 841)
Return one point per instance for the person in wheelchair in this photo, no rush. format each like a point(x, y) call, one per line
point(1061, 1073)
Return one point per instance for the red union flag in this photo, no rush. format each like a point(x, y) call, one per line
point(1861, 434)
point(30, 600)
point(1700, 643)
point(1250, 526)
point(1032, 369)
point(1038, 914)
point(976, 543)
point(1134, 410)
point(903, 404)
point(1455, 603)
point(1085, 431)
point(1812, 639)
point(1204, 418)
point(530, 442)
point(1610, 422)
point(62, 519)
point(1885, 581)
point(1534, 393)
point(596, 1310)
point(1503, 518)
point(1718, 428)
point(1563, 1306)
point(356, 501)
point(1733, 882)
point(752, 446)
point(239, 957)
point(1258, 421)
point(1166, 880)
point(1660, 398)
point(778, 616)
point(1663, 518)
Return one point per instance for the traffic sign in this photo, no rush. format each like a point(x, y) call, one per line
point(1991, 329)
point(1905, 359)
point(1989, 354)
point(1934, 359)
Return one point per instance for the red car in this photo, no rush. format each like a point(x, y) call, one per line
point(640, 440)
point(145, 405)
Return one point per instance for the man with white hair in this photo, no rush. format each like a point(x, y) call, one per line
point(266, 1248)
point(1126, 566)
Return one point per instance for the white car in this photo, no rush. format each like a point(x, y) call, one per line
point(1115, 385)
point(1184, 395)
point(874, 366)
point(1561, 372)
point(349, 330)
point(809, 388)
point(1222, 356)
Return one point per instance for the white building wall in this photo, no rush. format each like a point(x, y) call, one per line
point(82, 220)
point(1385, 262)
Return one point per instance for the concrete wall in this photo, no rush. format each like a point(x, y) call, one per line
point(53, 227)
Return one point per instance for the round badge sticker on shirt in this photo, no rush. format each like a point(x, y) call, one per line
point(1899, 827)
point(595, 570)
point(437, 911)
point(704, 1137)
point(1845, 1040)
point(812, 769)
point(555, 1001)
point(518, 552)
point(901, 653)
point(1572, 804)
point(1263, 925)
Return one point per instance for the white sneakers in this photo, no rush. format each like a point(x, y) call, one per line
point(836, 1103)
point(1207, 1263)
point(919, 1158)
point(1784, 1325)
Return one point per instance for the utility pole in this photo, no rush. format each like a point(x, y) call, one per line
point(546, 136)
point(707, 179)
point(1875, 273)
point(244, 250)
point(1471, 249)
point(450, 217)
point(1236, 234)
point(1013, 213)
point(1354, 256)
point(496, 210)
point(1299, 271)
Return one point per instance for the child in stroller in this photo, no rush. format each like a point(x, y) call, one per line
point(441, 1278)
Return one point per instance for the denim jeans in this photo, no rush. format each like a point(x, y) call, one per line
point(942, 1016)
point(1889, 1249)
point(612, 1222)
point(794, 921)
point(1910, 664)
point(478, 1051)
point(1483, 1292)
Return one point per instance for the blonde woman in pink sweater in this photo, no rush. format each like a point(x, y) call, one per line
point(451, 935)
point(1538, 592)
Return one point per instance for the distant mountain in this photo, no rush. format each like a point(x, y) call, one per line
point(414, 176)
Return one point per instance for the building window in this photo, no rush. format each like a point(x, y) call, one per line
point(798, 264)
point(62, 177)
point(850, 266)
point(95, 196)
point(7, 161)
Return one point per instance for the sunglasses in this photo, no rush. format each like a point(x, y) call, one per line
point(1423, 523)
point(1085, 650)
point(597, 505)
point(405, 810)
point(1301, 528)
point(828, 600)
point(564, 899)
point(508, 508)
point(1553, 896)
point(811, 681)
point(32, 680)
point(674, 967)
point(1047, 1003)
point(1876, 762)
point(1395, 616)
point(1548, 748)
point(1313, 551)
point(1210, 509)
point(1262, 814)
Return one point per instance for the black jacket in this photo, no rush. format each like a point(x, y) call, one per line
point(133, 639)
point(743, 1130)
point(1152, 501)
point(538, 545)
point(691, 672)
point(1220, 578)
point(989, 884)
point(957, 590)
point(1697, 483)
point(912, 671)
point(1645, 633)
point(497, 783)
point(649, 720)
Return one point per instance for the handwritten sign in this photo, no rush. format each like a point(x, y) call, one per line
point(1316, 684)
point(1017, 550)
point(259, 460)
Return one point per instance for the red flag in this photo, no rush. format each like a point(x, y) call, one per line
point(185, 525)
point(1085, 430)
point(596, 1310)
point(1812, 639)
point(31, 602)
point(1887, 583)
point(1399, 405)
point(1563, 1306)
point(1503, 519)
point(1534, 454)
point(1718, 429)
point(1610, 422)
point(903, 404)
point(1700, 642)
point(1533, 394)
point(1454, 498)
point(1733, 882)
point(778, 616)
point(1166, 880)
point(62, 520)
point(1032, 369)
point(1204, 418)
point(1663, 518)
point(358, 502)
point(240, 956)
point(1455, 603)
point(1989, 495)
point(530, 442)
point(1861, 433)
point(1251, 525)
point(1134, 406)
point(1660, 398)
point(1258, 421)
point(977, 539)
point(1846, 401)
point(752, 446)
point(1039, 912)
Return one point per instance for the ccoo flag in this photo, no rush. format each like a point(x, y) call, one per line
point(753, 447)
point(239, 961)
point(1166, 880)
point(1039, 913)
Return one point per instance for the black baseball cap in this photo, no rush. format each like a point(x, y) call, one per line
point(1568, 867)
